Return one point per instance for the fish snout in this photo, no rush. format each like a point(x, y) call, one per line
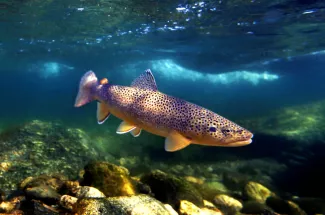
point(245, 139)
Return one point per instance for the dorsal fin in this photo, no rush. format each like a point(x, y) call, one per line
point(145, 81)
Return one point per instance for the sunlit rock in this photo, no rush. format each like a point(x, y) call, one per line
point(188, 208)
point(135, 205)
point(68, 202)
point(88, 192)
point(257, 192)
point(227, 204)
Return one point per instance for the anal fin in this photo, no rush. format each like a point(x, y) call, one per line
point(136, 132)
point(102, 112)
point(125, 127)
point(175, 141)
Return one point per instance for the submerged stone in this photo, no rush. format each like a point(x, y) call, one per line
point(284, 207)
point(257, 192)
point(188, 208)
point(88, 192)
point(43, 187)
point(227, 204)
point(171, 189)
point(110, 179)
point(125, 205)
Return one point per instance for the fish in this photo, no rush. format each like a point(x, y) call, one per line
point(141, 106)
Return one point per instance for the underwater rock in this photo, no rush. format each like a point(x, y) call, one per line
point(227, 204)
point(170, 209)
point(254, 207)
point(210, 189)
point(124, 205)
point(44, 193)
point(6, 207)
point(43, 187)
point(194, 180)
point(208, 204)
point(12, 205)
point(42, 209)
point(110, 179)
point(39, 147)
point(257, 192)
point(68, 202)
point(295, 209)
point(171, 189)
point(188, 208)
point(88, 192)
point(284, 207)
point(71, 187)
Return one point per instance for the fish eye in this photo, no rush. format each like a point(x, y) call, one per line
point(212, 129)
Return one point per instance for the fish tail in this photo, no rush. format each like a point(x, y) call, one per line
point(87, 89)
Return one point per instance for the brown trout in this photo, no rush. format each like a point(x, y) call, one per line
point(142, 107)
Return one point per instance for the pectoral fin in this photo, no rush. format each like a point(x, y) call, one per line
point(136, 132)
point(102, 112)
point(175, 141)
point(125, 128)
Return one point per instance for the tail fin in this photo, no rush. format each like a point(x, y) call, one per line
point(87, 88)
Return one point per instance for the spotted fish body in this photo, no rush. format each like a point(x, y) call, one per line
point(142, 106)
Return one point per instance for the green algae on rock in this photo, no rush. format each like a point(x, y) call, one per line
point(111, 179)
point(257, 192)
point(38, 147)
point(171, 189)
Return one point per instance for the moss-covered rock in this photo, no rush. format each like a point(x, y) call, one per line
point(110, 179)
point(257, 192)
point(135, 205)
point(171, 189)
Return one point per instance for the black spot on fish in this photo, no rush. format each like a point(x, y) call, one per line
point(212, 129)
point(225, 131)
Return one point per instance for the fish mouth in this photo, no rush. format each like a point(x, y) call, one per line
point(241, 143)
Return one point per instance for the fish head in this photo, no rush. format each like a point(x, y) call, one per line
point(223, 132)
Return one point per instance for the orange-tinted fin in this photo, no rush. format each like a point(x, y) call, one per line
point(104, 81)
point(125, 127)
point(136, 132)
point(102, 112)
point(175, 141)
